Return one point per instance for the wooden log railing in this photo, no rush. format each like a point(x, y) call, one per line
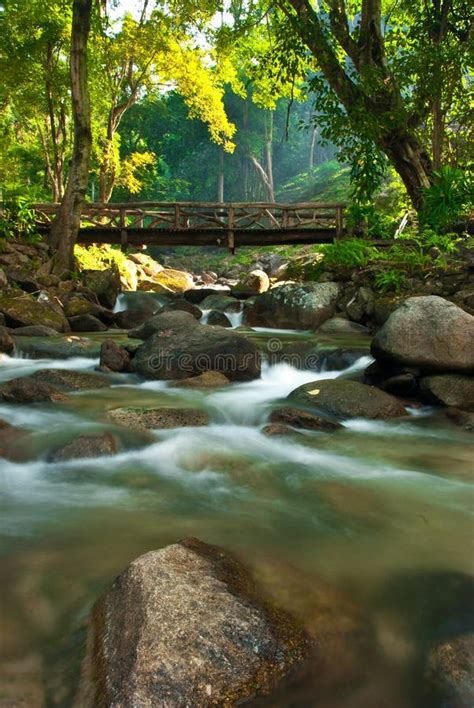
point(223, 222)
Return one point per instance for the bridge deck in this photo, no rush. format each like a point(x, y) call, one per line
point(205, 223)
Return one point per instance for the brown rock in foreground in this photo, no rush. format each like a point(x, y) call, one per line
point(185, 626)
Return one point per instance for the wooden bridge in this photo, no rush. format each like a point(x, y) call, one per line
point(204, 223)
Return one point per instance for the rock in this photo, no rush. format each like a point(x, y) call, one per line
point(168, 280)
point(218, 319)
point(113, 357)
point(129, 276)
point(393, 378)
point(105, 284)
point(148, 264)
point(78, 304)
point(384, 305)
point(12, 441)
point(197, 295)
point(462, 418)
point(278, 429)
point(181, 305)
point(186, 626)
point(66, 380)
point(341, 399)
point(295, 306)
point(339, 325)
point(58, 347)
point(7, 345)
point(23, 279)
point(188, 351)
point(26, 310)
point(361, 306)
point(128, 319)
point(257, 281)
point(208, 379)
point(86, 323)
point(167, 321)
point(428, 332)
point(26, 389)
point(34, 331)
point(3, 280)
point(298, 418)
point(86, 446)
point(449, 675)
point(450, 389)
point(151, 418)
point(221, 303)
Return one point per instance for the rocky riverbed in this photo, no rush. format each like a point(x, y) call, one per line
point(284, 496)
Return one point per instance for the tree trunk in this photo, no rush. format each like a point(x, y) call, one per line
point(220, 183)
point(312, 147)
point(65, 227)
point(411, 162)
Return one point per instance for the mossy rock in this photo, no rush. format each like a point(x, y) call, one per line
point(27, 310)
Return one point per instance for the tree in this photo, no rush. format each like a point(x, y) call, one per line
point(376, 74)
point(65, 228)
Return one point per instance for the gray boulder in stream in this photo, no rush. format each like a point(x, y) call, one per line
point(298, 306)
point(339, 399)
point(427, 332)
point(186, 626)
point(180, 352)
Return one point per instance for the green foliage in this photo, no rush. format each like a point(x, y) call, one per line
point(446, 243)
point(389, 280)
point(449, 199)
point(354, 252)
point(18, 219)
point(99, 257)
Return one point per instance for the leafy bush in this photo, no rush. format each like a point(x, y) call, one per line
point(389, 280)
point(99, 257)
point(355, 252)
point(449, 199)
point(18, 219)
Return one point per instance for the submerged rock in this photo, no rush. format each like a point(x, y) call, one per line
point(150, 418)
point(34, 331)
point(128, 319)
point(449, 674)
point(186, 626)
point(181, 305)
point(298, 418)
point(450, 389)
point(462, 418)
point(341, 398)
point(27, 389)
point(428, 332)
point(12, 440)
point(86, 446)
point(66, 380)
point(208, 379)
point(184, 352)
point(86, 323)
point(278, 429)
point(58, 347)
point(221, 302)
point(295, 306)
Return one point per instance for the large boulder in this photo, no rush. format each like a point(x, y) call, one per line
point(221, 303)
point(163, 323)
point(427, 332)
point(219, 319)
point(181, 305)
point(184, 351)
point(295, 306)
point(26, 310)
point(105, 284)
point(86, 323)
point(128, 319)
point(340, 399)
point(186, 626)
point(299, 418)
point(450, 390)
point(257, 281)
point(154, 418)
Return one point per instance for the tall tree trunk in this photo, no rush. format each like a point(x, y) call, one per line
point(269, 155)
point(412, 164)
point(312, 147)
point(220, 181)
point(65, 227)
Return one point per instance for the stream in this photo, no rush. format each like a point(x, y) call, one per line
point(377, 517)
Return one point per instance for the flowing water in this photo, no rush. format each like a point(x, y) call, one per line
point(355, 532)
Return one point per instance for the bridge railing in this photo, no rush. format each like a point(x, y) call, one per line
point(199, 216)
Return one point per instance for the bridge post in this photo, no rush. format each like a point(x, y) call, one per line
point(230, 232)
point(123, 230)
point(339, 222)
